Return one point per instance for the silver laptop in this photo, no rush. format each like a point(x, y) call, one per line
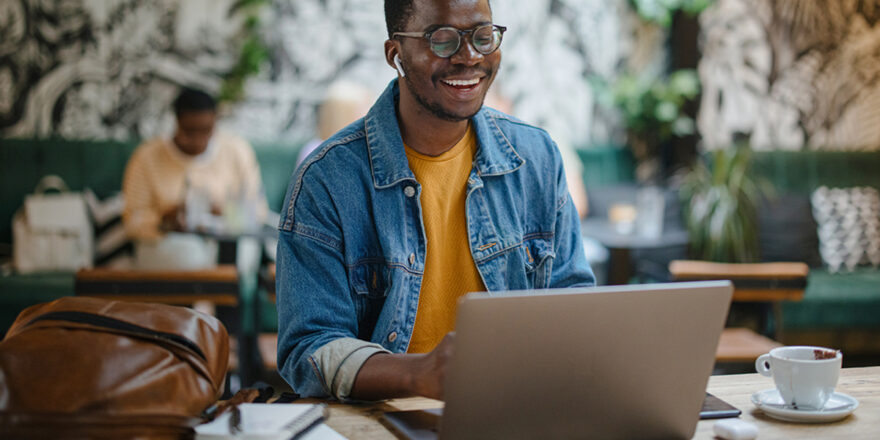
point(605, 362)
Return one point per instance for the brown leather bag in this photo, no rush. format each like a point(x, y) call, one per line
point(89, 368)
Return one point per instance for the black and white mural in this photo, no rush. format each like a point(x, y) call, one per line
point(791, 74)
point(110, 68)
point(106, 68)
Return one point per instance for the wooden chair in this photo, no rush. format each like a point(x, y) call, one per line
point(267, 343)
point(767, 283)
point(267, 280)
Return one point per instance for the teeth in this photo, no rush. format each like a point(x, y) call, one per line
point(462, 83)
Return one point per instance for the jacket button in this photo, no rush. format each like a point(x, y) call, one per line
point(392, 336)
point(409, 191)
point(412, 259)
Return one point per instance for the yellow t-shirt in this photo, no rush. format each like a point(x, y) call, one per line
point(450, 271)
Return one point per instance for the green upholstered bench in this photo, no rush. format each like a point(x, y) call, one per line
point(18, 292)
point(98, 165)
point(834, 306)
point(606, 165)
point(835, 300)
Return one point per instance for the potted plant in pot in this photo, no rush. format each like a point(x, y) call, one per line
point(720, 202)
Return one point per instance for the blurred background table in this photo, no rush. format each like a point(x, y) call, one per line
point(619, 245)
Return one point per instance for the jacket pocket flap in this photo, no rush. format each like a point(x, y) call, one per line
point(368, 279)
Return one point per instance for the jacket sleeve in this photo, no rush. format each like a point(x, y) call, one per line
point(318, 350)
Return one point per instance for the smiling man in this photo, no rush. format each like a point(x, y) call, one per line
point(428, 197)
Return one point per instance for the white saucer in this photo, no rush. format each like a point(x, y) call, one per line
point(838, 406)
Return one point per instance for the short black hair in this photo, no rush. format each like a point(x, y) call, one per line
point(192, 100)
point(397, 14)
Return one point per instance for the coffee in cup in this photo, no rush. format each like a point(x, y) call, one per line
point(804, 375)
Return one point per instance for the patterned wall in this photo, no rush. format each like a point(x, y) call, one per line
point(791, 74)
point(110, 68)
point(105, 68)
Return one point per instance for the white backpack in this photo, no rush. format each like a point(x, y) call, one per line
point(52, 231)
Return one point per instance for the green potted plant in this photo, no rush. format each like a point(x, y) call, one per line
point(720, 207)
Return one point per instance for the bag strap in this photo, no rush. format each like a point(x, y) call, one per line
point(261, 394)
point(50, 182)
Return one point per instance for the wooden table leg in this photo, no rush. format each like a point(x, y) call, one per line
point(619, 268)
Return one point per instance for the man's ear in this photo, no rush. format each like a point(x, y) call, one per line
point(391, 50)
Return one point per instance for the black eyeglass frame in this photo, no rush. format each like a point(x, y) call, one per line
point(461, 35)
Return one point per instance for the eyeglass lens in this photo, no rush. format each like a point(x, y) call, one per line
point(446, 41)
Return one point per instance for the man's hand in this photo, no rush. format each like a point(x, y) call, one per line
point(387, 376)
point(430, 375)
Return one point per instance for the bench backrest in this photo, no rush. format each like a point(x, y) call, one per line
point(100, 165)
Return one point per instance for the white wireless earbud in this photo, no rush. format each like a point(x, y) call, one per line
point(399, 67)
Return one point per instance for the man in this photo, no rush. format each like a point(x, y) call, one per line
point(430, 196)
point(208, 170)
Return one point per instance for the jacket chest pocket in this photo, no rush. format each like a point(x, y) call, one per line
point(369, 279)
point(538, 256)
point(369, 283)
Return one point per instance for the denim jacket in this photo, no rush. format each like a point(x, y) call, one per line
point(352, 246)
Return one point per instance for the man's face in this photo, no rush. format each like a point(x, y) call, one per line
point(194, 130)
point(451, 88)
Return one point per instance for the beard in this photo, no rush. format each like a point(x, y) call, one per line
point(436, 109)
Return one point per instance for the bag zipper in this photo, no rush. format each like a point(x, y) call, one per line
point(115, 324)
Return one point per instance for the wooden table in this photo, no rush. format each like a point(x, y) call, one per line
point(362, 421)
point(218, 285)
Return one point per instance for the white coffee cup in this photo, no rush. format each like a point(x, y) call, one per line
point(805, 376)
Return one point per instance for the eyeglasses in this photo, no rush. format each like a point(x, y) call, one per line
point(446, 41)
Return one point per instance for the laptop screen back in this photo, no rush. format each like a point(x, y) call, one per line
point(603, 362)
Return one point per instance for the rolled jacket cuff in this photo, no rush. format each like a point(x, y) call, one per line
point(341, 360)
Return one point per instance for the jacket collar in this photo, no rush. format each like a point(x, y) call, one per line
point(388, 162)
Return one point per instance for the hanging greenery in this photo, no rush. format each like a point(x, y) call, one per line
point(662, 11)
point(653, 106)
point(252, 55)
point(653, 112)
